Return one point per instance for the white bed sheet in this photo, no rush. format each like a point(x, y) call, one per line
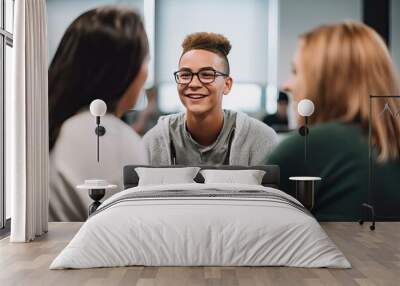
point(200, 231)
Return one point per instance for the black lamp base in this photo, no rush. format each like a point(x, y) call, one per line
point(96, 195)
point(305, 193)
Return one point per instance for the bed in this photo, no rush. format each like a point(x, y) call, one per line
point(201, 224)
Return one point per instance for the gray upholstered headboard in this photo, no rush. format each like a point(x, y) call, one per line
point(270, 179)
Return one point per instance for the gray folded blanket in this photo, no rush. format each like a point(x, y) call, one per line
point(206, 194)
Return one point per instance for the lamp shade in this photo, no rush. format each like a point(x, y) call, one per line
point(305, 107)
point(98, 107)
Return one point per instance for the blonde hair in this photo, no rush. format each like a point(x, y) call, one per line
point(342, 65)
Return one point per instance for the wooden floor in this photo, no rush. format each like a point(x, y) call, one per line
point(375, 257)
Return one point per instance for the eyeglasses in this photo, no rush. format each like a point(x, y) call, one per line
point(204, 76)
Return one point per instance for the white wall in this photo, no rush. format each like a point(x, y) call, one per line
point(298, 16)
point(61, 13)
point(244, 23)
point(395, 32)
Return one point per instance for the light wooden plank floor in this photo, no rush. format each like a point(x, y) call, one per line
point(375, 257)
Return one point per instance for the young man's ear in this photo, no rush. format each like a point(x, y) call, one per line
point(228, 85)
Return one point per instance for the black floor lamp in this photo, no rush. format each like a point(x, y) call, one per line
point(305, 108)
point(305, 185)
point(97, 187)
point(98, 108)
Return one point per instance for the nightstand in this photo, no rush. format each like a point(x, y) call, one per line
point(97, 189)
point(305, 190)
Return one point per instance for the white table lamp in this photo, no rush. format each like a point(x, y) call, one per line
point(305, 107)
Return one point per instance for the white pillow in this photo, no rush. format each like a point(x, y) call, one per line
point(163, 176)
point(248, 177)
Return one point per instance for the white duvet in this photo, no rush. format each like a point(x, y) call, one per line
point(183, 231)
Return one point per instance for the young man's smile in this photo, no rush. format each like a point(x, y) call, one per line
point(196, 96)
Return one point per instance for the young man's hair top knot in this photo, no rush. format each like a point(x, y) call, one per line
point(212, 42)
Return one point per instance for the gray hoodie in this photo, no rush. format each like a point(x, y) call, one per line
point(252, 143)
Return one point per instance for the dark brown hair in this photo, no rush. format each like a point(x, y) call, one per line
point(211, 42)
point(99, 56)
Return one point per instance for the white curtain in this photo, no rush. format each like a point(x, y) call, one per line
point(27, 124)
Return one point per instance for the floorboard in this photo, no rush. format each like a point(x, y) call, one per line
point(374, 255)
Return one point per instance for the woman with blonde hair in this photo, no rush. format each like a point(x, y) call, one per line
point(338, 67)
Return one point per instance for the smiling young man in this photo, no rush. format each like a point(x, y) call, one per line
point(206, 133)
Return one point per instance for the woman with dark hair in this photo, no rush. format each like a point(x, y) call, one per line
point(102, 55)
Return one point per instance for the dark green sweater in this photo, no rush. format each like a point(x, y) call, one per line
point(338, 153)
